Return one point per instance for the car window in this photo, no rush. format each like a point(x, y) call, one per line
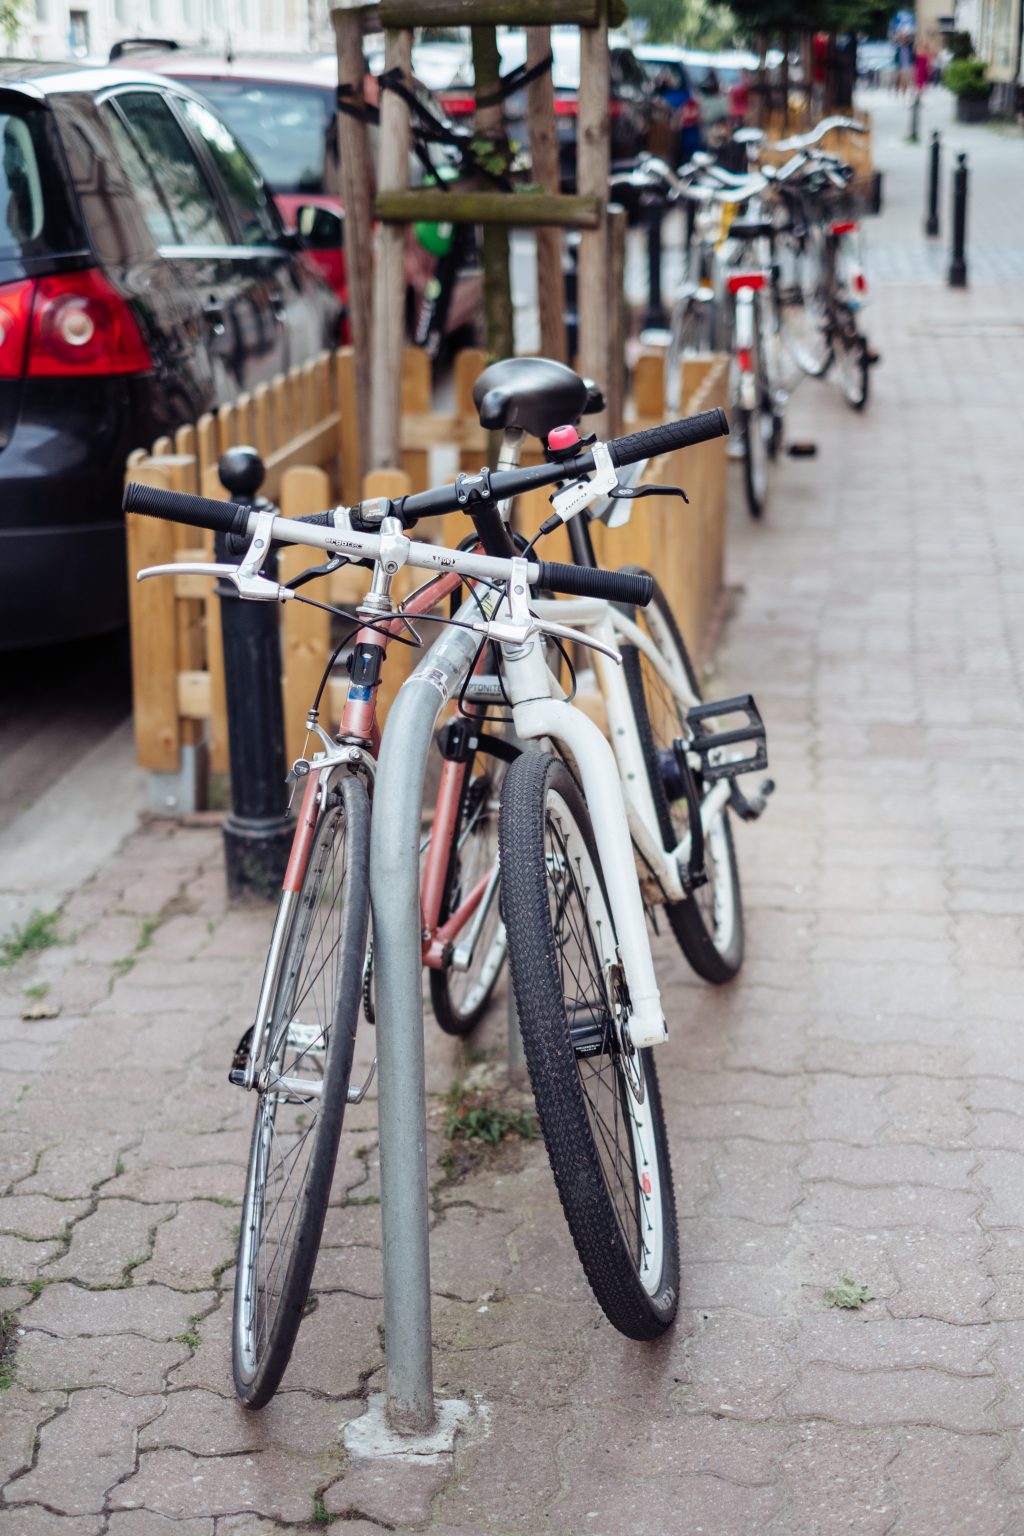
point(194, 215)
point(35, 216)
point(242, 182)
point(285, 128)
point(155, 209)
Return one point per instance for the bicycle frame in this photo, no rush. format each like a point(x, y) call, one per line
point(355, 751)
point(610, 625)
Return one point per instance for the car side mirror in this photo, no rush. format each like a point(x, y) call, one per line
point(320, 229)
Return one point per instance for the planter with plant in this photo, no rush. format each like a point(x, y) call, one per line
point(968, 80)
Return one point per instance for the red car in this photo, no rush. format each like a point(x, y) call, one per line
point(284, 115)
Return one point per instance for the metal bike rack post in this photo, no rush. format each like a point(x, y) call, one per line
point(398, 966)
point(931, 223)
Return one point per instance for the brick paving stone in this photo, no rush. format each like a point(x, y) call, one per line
point(268, 1482)
point(932, 1500)
point(896, 1205)
point(73, 1169)
point(36, 1216)
point(400, 1493)
point(197, 1240)
point(117, 1235)
point(21, 1412)
point(23, 1260)
point(204, 1423)
point(124, 1362)
point(84, 1452)
point(33, 1520)
point(145, 1522)
point(877, 1397)
point(837, 1478)
point(887, 1165)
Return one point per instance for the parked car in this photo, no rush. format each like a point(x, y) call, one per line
point(638, 118)
point(145, 275)
point(284, 114)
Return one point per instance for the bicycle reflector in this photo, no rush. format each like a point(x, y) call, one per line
point(737, 281)
point(842, 227)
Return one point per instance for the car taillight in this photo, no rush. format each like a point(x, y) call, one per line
point(82, 325)
point(459, 106)
point(15, 309)
point(567, 106)
point(689, 114)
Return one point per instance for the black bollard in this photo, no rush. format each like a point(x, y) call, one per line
point(915, 115)
point(656, 318)
point(958, 264)
point(258, 831)
point(931, 223)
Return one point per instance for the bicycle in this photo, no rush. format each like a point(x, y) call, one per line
point(653, 710)
point(823, 286)
point(614, 1176)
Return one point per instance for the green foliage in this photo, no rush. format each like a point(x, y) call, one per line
point(321, 1515)
point(470, 1117)
point(959, 44)
point(40, 932)
point(10, 21)
point(967, 77)
point(191, 1335)
point(7, 1322)
point(847, 1293)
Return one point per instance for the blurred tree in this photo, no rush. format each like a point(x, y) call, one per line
point(696, 23)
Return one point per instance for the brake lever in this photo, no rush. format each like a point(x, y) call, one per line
point(256, 588)
point(332, 565)
point(626, 493)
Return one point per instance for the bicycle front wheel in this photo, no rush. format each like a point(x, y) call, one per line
point(302, 1087)
point(597, 1096)
point(708, 924)
point(851, 358)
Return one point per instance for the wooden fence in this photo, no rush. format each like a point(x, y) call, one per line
point(303, 426)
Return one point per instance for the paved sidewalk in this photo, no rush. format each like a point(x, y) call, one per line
point(854, 1106)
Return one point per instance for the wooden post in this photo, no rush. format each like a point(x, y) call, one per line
point(540, 111)
point(615, 388)
point(389, 285)
point(356, 191)
point(490, 125)
point(592, 172)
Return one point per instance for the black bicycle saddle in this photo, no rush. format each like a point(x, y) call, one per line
point(533, 394)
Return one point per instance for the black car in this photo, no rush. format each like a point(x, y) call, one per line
point(145, 276)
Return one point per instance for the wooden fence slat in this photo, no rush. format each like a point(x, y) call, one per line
point(154, 657)
point(416, 403)
point(348, 426)
point(305, 631)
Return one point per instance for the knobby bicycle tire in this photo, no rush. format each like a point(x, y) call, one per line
point(707, 925)
point(295, 1137)
point(598, 1103)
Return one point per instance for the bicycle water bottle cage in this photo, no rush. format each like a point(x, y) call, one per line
point(712, 745)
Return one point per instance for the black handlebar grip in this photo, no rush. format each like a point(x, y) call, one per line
point(179, 507)
point(633, 587)
point(674, 434)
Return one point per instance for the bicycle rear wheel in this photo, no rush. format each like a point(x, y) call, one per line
point(302, 1087)
point(708, 924)
point(851, 360)
point(597, 1096)
point(460, 995)
point(803, 311)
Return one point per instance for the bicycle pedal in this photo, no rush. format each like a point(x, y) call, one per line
point(749, 808)
point(711, 744)
point(240, 1060)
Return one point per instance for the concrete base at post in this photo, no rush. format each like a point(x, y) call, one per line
point(372, 1437)
point(181, 793)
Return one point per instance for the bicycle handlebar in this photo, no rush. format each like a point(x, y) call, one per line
point(808, 140)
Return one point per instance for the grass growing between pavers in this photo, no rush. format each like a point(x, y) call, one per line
point(471, 1115)
point(39, 932)
point(8, 1321)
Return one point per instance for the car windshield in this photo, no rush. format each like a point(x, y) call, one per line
point(35, 216)
point(283, 127)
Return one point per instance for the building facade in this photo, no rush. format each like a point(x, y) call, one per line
point(87, 29)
